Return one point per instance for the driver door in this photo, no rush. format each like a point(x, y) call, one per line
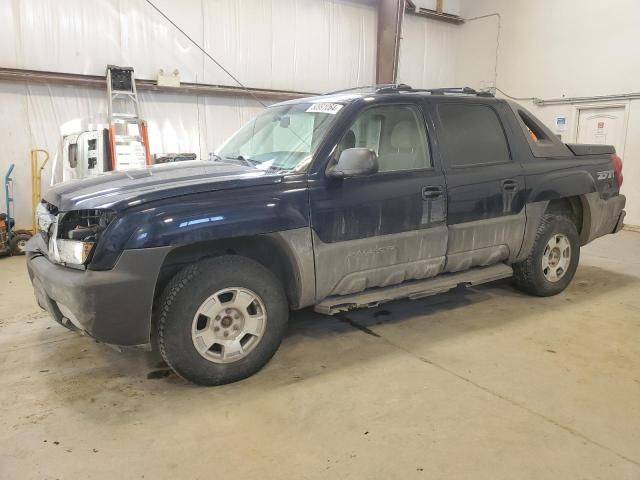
point(385, 228)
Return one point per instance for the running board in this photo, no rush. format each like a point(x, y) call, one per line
point(414, 289)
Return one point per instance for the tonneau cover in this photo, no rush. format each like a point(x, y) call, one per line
point(591, 149)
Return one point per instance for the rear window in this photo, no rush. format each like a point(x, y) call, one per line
point(541, 140)
point(471, 134)
point(535, 131)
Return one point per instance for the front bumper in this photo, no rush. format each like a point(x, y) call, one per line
point(113, 306)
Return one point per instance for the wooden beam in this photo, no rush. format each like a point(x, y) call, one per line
point(390, 16)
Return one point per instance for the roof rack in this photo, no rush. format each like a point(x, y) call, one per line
point(403, 87)
point(375, 88)
point(395, 87)
point(458, 90)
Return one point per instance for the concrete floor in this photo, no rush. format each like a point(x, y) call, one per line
point(484, 383)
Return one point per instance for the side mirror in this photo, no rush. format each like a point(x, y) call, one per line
point(354, 162)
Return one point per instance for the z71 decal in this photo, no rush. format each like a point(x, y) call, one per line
point(605, 175)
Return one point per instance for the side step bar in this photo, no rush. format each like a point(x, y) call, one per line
point(413, 290)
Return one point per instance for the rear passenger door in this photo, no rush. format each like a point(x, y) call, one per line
point(485, 186)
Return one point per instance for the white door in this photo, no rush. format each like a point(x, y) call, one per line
point(607, 125)
point(604, 125)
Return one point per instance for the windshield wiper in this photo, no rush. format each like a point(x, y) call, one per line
point(246, 161)
point(276, 169)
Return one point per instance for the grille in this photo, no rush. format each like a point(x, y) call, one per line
point(85, 218)
point(89, 222)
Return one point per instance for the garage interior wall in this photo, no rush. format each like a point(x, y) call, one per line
point(546, 49)
point(595, 53)
point(435, 53)
point(294, 45)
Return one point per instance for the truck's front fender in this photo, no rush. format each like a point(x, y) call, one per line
point(203, 217)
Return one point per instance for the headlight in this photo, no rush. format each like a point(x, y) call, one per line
point(72, 251)
point(73, 236)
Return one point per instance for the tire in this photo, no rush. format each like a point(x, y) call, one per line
point(203, 302)
point(531, 276)
point(18, 242)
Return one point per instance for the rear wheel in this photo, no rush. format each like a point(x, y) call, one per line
point(553, 260)
point(221, 320)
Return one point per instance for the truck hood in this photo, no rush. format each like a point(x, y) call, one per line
point(120, 190)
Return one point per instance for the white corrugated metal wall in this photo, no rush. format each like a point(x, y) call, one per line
point(428, 53)
point(304, 45)
point(281, 44)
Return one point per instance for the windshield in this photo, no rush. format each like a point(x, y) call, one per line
point(282, 138)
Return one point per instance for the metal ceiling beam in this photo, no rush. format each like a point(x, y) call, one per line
point(98, 81)
point(437, 14)
point(433, 15)
point(390, 15)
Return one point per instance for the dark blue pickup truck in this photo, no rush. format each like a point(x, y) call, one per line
point(338, 201)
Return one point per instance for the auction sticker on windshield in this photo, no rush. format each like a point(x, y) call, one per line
point(331, 108)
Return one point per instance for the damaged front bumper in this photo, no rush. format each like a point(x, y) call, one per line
point(112, 306)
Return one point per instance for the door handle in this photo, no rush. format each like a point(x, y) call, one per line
point(431, 191)
point(509, 185)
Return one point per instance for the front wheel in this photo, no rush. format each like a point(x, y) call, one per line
point(553, 260)
point(221, 320)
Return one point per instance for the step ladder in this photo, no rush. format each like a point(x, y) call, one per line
point(128, 136)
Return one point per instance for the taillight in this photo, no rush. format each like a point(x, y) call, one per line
point(617, 168)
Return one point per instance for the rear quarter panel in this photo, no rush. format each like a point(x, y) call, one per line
point(588, 177)
point(549, 178)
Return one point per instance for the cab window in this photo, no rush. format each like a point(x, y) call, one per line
point(471, 134)
point(396, 133)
